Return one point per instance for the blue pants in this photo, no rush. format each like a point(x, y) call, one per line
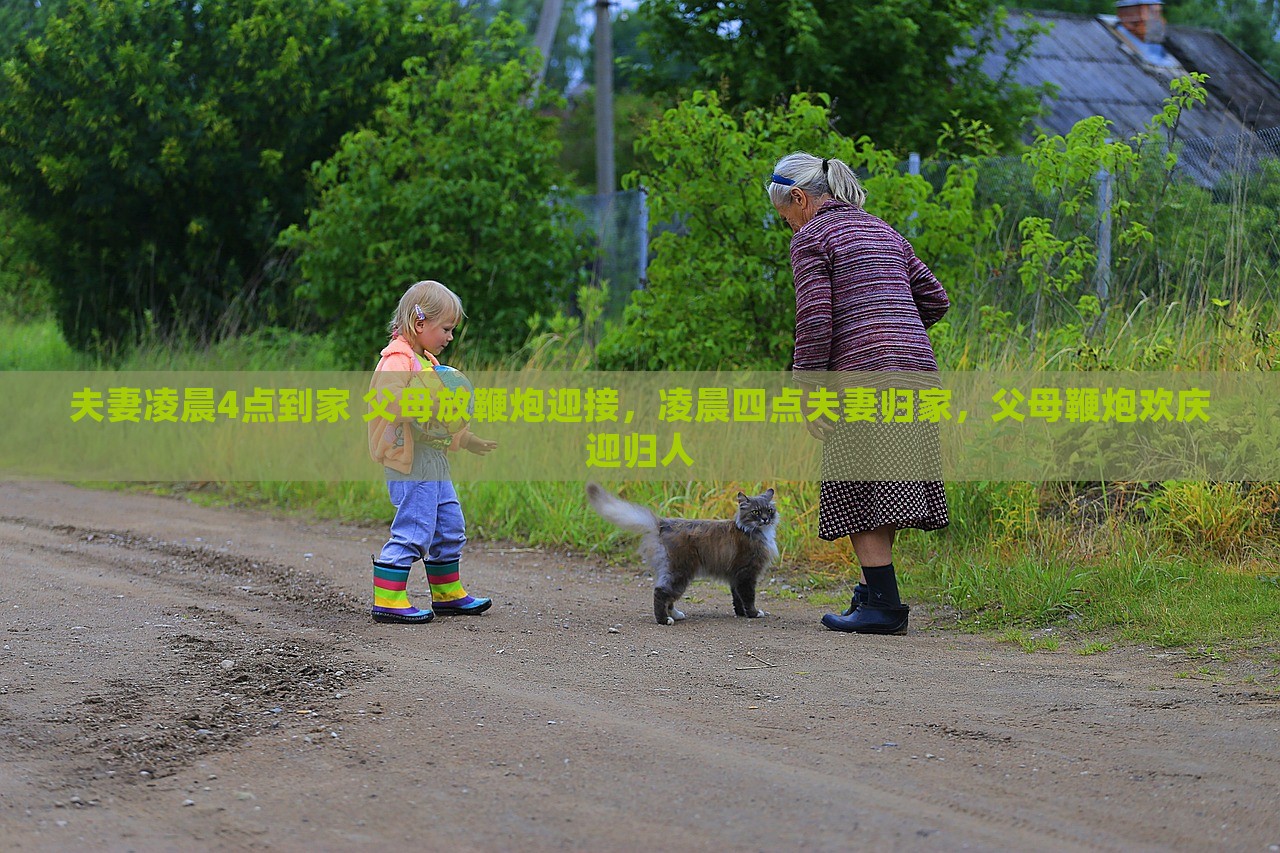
point(428, 524)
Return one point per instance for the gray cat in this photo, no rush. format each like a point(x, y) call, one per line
point(737, 550)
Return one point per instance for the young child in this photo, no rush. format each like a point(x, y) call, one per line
point(428, 523)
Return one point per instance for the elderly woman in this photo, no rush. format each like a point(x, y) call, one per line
point(863, 302)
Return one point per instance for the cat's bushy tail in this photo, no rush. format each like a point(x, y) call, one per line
point(625, 514)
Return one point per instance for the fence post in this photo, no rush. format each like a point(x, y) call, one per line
point(642, 279)
point(1102, 277)
point(913, 168)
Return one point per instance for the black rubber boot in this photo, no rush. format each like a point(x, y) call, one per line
point(859, 597)
point(870, 619)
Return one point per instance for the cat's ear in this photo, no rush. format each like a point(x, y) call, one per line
point(769, 494)
point(742, 498)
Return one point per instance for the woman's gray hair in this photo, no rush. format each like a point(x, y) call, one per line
point(817, 177)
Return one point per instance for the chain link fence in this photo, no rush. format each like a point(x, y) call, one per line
point(618, 224)
point(1217, 221)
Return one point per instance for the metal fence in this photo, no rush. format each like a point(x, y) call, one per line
point(1215, 202)
point(618, 223)
point(1217, 175)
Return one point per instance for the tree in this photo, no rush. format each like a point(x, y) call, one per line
point(24, 19)
point(632, 114)
point(633, 109)
point(565, 63)
point(159, 145)
point(895, 69)
point(634, 62)
point(455, 180)
point(24, 291)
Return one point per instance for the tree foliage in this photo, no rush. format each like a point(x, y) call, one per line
point(1058, 252)
point(160, 145)
point(895, 69)
point(632, 113)
point(453, 180)
point(1075, 7)
point(23, 19)
point(24, 290)
point(567, 52)
point(720, 292)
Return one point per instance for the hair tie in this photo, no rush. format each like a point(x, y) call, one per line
point(824, 167)
point(778, 179)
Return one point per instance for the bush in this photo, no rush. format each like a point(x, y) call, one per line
point(455, 180)
point(25, 293)
point(158, 146)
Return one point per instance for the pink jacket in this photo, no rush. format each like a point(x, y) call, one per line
point(390, 439)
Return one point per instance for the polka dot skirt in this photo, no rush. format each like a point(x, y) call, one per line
point(878, 474)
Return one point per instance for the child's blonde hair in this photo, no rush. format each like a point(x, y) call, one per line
point(433, 300)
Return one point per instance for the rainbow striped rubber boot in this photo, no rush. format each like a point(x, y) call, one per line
point(448, 596)
point(391, 600)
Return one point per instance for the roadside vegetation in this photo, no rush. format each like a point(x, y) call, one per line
point(1047, 566)
point(306, 281)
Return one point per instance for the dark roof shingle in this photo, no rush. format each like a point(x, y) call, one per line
point(1095, 69)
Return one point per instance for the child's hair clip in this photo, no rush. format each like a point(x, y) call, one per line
point(419, 313)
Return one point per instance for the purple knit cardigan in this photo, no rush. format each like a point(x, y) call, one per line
point(863, 298)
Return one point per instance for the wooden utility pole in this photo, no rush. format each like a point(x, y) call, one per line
point(545, 37)
point(605, 179)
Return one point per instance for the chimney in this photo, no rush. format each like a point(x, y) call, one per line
point(1143, 18)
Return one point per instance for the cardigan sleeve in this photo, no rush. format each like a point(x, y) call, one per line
point(930, 298)
point(811, 268)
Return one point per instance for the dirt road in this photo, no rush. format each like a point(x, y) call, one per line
point(176, 677)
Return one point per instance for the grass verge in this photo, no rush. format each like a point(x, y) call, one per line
point(1193, 567)
point(1050, 585)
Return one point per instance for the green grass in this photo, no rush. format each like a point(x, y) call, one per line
point(37, 345)
point(1208, 335)
point(1131, 587)
point(1122, 584)
point(262, 349)
point(352, 502)
point(1028, 643)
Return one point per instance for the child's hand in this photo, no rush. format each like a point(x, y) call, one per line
point(479, 446)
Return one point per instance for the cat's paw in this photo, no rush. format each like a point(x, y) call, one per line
point(670, 621)
point(676, 615)
point(756, 614)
